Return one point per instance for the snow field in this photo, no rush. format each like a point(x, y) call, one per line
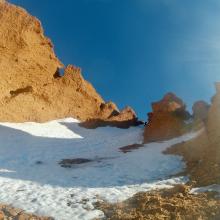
point(32, 179)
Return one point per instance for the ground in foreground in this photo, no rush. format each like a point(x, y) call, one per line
point(175, 203)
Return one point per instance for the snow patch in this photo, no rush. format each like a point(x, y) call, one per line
point(210, 188)
point(32, 179)
point(52, 129)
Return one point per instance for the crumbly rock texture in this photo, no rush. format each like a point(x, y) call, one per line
point(32, 87)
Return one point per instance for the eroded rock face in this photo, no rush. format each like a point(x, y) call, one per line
point(169, 103)
point(31, 85)
point(107, 110)
point(213, 125)
point(115, 118)
point(167, 119)
point(202, 154)
point(200, 110)
point(31, 88)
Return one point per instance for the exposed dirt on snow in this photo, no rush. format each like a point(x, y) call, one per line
point(129, 148)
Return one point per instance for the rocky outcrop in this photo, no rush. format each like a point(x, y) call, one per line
point(200, 111)
point(10, 213)
point(108, 110)
point(111, 116)
point(202, 153)
point(213, 122)
point(32, 87)
point(166, 120)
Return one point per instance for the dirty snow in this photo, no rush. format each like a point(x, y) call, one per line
point(210, 188)
point(32, 179)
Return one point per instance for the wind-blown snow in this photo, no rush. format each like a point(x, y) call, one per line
point(32, 179)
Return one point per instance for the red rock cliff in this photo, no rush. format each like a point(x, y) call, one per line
point(31, 88)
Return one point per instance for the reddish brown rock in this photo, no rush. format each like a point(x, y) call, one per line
point(127, 114)
point(31, 85)
point(167, 119)
point(123, 119)
point(202, 153)
point(108, 110)
point(169, 103)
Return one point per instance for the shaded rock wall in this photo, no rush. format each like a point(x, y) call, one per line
point(166, 120)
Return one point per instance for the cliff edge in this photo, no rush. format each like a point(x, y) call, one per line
point(31, 85)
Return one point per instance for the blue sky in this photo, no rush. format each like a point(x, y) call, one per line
point(134, 51)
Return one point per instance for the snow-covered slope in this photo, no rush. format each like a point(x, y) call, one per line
point(31, 177)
